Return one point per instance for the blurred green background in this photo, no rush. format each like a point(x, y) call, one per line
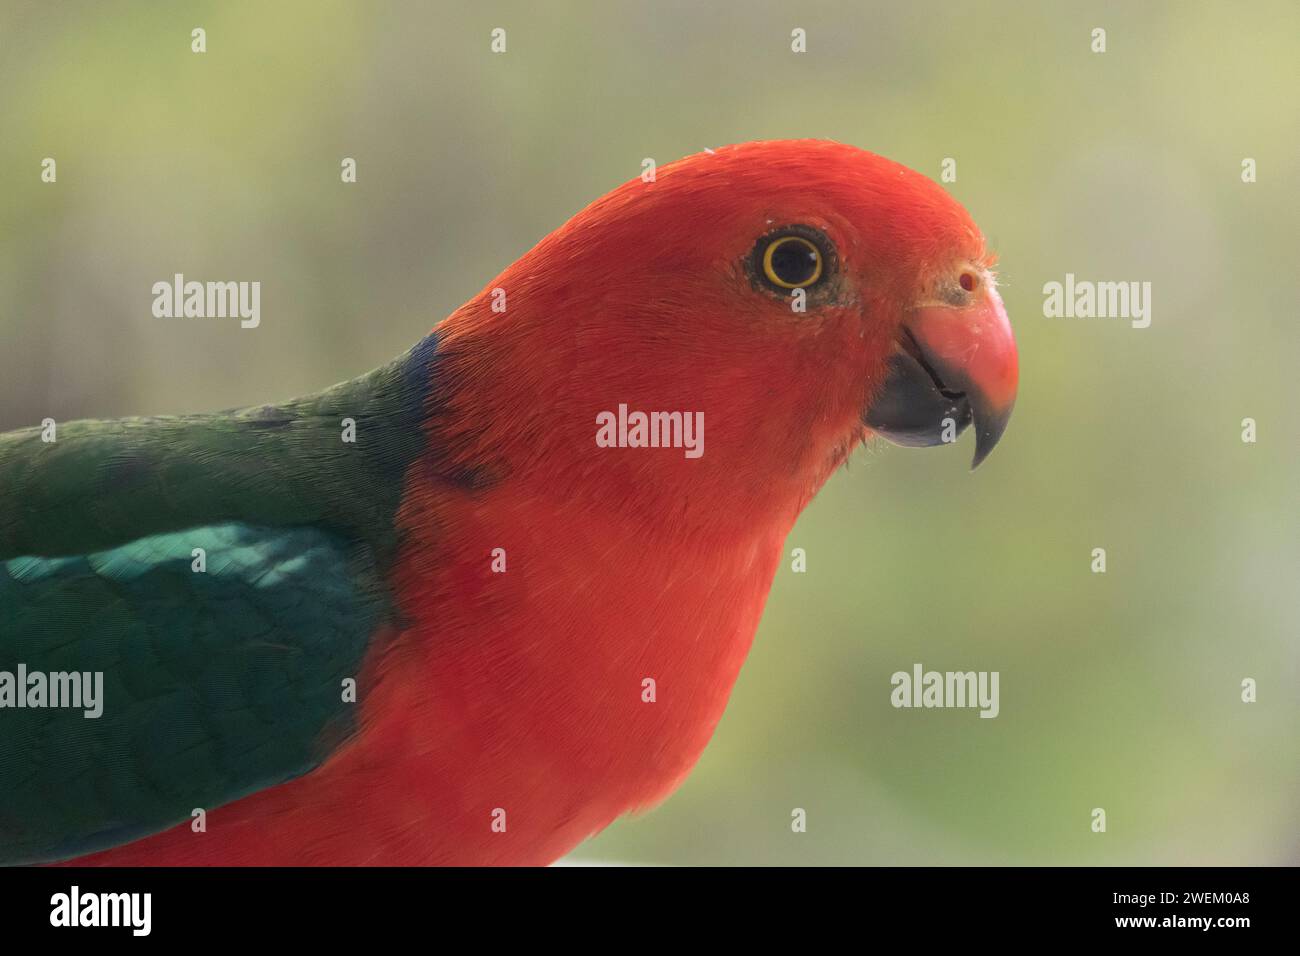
point(1119, 691)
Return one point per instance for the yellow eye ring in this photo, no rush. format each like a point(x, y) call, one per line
point(792, 262)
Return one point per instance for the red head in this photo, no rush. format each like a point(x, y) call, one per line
point(797, 293)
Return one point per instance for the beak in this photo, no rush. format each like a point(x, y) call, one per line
point(952, 365)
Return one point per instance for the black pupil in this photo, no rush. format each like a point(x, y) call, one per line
point(794, 262)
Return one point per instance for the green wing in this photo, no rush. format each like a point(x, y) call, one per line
point(211, 684)
point(223, 574)
point(99, 484)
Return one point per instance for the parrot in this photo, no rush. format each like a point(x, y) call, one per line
point(472, 607)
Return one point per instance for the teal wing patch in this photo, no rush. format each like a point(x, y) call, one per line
point(215, 683)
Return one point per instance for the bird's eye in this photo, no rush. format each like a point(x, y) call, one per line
point(792, 262)
point(969, 281)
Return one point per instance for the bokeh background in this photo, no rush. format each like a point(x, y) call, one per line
point(1119, 691)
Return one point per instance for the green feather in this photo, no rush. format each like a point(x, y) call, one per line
point(103, 483)
point(216, 683)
